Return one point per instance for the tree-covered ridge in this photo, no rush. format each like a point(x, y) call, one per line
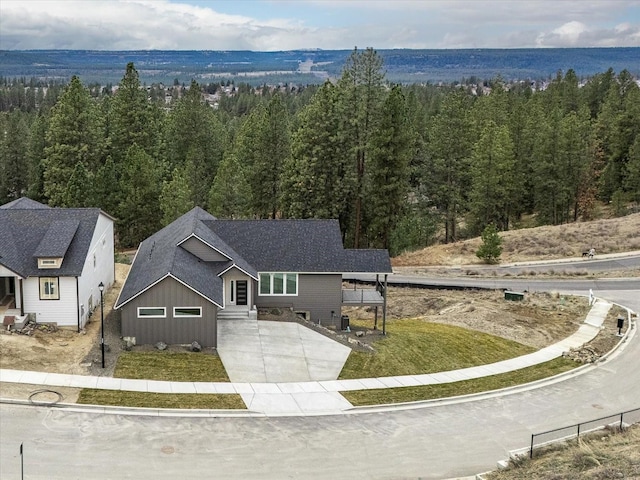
point(394, 164)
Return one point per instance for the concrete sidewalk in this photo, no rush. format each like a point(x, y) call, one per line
point(315, 397)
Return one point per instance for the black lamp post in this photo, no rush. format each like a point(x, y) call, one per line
point(101, 288)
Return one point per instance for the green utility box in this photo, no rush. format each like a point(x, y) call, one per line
point(514, 296)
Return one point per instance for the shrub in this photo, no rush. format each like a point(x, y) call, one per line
point(491, 247)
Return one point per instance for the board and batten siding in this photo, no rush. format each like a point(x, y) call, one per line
point(203, 251)
point(62, 312)
point(170, 293)
point(318, 294)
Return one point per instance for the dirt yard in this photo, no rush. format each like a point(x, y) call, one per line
point(62, 350)
point(539, 320)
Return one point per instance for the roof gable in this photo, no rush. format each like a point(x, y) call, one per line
point(29, 233)
point(197, 249)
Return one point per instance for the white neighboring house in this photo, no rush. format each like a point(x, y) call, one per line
point(52, 261)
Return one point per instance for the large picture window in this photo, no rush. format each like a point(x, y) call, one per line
point(49, 288)
point(152, 312)
point(278, 284)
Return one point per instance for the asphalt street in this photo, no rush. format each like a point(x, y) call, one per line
point(433, 440)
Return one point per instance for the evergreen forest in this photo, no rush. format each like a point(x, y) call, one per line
point(399, 166)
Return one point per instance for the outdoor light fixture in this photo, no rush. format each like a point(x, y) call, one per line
point(101, 288)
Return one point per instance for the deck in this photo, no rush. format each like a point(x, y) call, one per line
point(362, 296)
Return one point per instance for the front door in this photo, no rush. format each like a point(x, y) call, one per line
point(241, 292)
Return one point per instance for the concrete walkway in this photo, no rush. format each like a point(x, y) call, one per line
point(315, 397)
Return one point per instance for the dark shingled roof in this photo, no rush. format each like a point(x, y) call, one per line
point(57, 239)
point(23, 232)
point(303, 246)
point(24, 203)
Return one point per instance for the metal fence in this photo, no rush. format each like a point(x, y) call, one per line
point(618, 420)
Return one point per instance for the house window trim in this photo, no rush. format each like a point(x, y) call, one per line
point(285, 278)
point(187, 316)
point(49, 263)
point(41, 283)
point(164, 309)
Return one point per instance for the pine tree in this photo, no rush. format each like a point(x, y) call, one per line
point(362, 91)
point(446, 173)
point(492, 170)
point(14, 143)
point(175, 198)
point(195, 141)
point(230, 192)
point(318, 179)
point(73, 137)
point(274, 148)
point(491, 247)
point(139, 214)
point(389, 166)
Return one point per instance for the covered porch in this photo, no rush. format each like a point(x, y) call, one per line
point(11, 314)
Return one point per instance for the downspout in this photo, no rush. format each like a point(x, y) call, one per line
point(78, 303)
point(21, 298)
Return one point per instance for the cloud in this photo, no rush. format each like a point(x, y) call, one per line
point(287, 25)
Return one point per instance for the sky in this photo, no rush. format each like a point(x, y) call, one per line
point(310, 24)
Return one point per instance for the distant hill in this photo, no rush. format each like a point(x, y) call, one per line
point(314, 66)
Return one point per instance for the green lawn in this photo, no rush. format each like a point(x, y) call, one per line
point(426, 392)
point(168, 366)
point(411, 347)
point(122, 398)
point(414, 347)
point(171, 366)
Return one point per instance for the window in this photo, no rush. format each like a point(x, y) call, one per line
point(152, 312)
point(187, 311)
point(278, 284)
point(49, 262)
point(49, 288)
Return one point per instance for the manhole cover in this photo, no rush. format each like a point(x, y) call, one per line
point(168, 449)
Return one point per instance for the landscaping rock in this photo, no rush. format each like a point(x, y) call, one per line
point(584, 354)
point(195, 347)
point(161, 346)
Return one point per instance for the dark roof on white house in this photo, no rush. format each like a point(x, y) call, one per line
point(32, 232)
point(24, 203)
point(302, 246)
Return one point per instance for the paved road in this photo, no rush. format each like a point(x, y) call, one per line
point(436, 441)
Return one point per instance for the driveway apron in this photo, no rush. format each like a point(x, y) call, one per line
point(255, 351)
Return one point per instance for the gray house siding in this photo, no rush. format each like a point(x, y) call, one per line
point(318, 294)
point(170, 293)
point(202, 250)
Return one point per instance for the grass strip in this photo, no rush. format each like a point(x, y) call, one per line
point(465, 387)
point(90, 396)
point(414, 347)
point(171, 367)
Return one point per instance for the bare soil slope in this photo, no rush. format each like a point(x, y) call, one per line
point(541, 243)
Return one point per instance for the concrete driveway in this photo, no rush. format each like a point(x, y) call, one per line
point(270, 352)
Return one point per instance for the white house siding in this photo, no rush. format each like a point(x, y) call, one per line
point(63, 312)
point(103, 249)
point(318, 294)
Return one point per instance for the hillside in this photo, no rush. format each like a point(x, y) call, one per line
point(611, 235)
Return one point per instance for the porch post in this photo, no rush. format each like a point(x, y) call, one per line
point(375, 319)
point(384, 306)
point(21, 298)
